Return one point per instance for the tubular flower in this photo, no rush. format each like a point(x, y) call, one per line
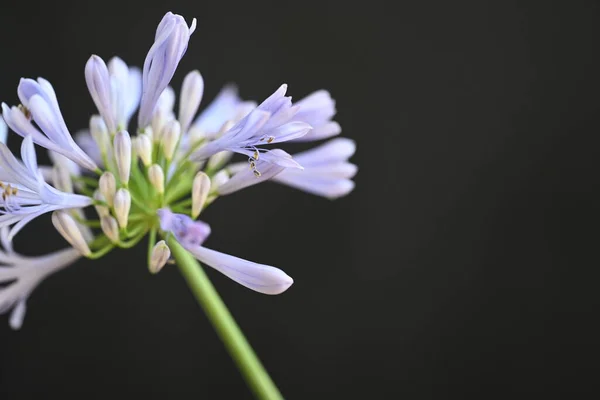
point(154, 179)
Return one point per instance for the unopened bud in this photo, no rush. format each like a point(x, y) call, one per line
point(108, 187)
point(100, 209)
point(218, 179)
point(200, 190)
point(122, 205)
point(216, 161)
point(157, 178)
point(67, 227)
point(195, 134)
point(160, 256)
point(143, 146)
point(99, 132)
point(159, 121)
point(110, 227)
point(189, 100)
point(122, 145)
point(61, 178)
point(170, 138)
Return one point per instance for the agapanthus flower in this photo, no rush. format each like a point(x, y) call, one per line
point(157, 177)
point(20, 275)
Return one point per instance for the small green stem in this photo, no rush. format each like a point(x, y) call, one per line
point(250, 366)
point(151, 243)
point(102, 252)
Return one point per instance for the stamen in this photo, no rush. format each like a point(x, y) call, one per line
point(257, 173)
point(270, 139)
point(256, 154)
point(25, 111)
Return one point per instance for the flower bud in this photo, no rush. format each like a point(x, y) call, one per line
point(67, 227)
point(101, 210)
point(190, 98)
point(219, 179)
point(61, 178)
point(99, 132)
point(219, 159)
point(170, 138)
point(122, 205)
point(99, 86)
point(110, 228)
point(195, 134)
point(122, 145)
point(200, 189)
point(157, 178)
point(172, 36)
point(143, 145)
point(160, 256)
point(108, 187)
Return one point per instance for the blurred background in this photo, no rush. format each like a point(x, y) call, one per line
point(463, 264)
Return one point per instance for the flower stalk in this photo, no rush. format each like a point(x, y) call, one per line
point(234, 340)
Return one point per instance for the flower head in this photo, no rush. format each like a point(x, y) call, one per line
point(158, 180)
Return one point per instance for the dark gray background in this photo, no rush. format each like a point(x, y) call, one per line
point(464, 263)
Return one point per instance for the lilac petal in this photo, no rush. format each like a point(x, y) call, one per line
point(258, 277)
point(222, 109)
point(330, 129)
point(99, 85)
point(335, 150)
point(329, 188)
point(171, 40)
point(3, 131)
point(246, 178)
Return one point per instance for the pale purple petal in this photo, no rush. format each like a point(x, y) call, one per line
point(171, 40)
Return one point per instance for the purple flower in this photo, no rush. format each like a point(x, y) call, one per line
point(170, 43)
point(327, 171)
point(271, 122)
point(192, 234)
point(40, 104)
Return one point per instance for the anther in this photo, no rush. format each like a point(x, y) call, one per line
point(257, 173)
point(25, 111)
point(270, 139)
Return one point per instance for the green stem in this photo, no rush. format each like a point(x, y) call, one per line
point(248, 363)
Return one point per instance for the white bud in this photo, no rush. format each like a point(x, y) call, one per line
point(190, 98)
point(200, 190)
point(195, 134)
point(99, 132)
point(101, 210)
point(160, 256)
point(143, 147)
point(61, 178)
point(108, 187)
point(122, 145)
point(157, 178)
point(219, 179)
point(170, 138)
point(122, 205)
point(216, 161)
point(67, 227)
point(150, 132)
point(110, 227)
point(159, 121)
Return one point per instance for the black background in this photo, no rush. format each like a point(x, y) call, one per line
point(464, 263)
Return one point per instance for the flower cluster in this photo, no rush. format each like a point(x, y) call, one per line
point(160, 179)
